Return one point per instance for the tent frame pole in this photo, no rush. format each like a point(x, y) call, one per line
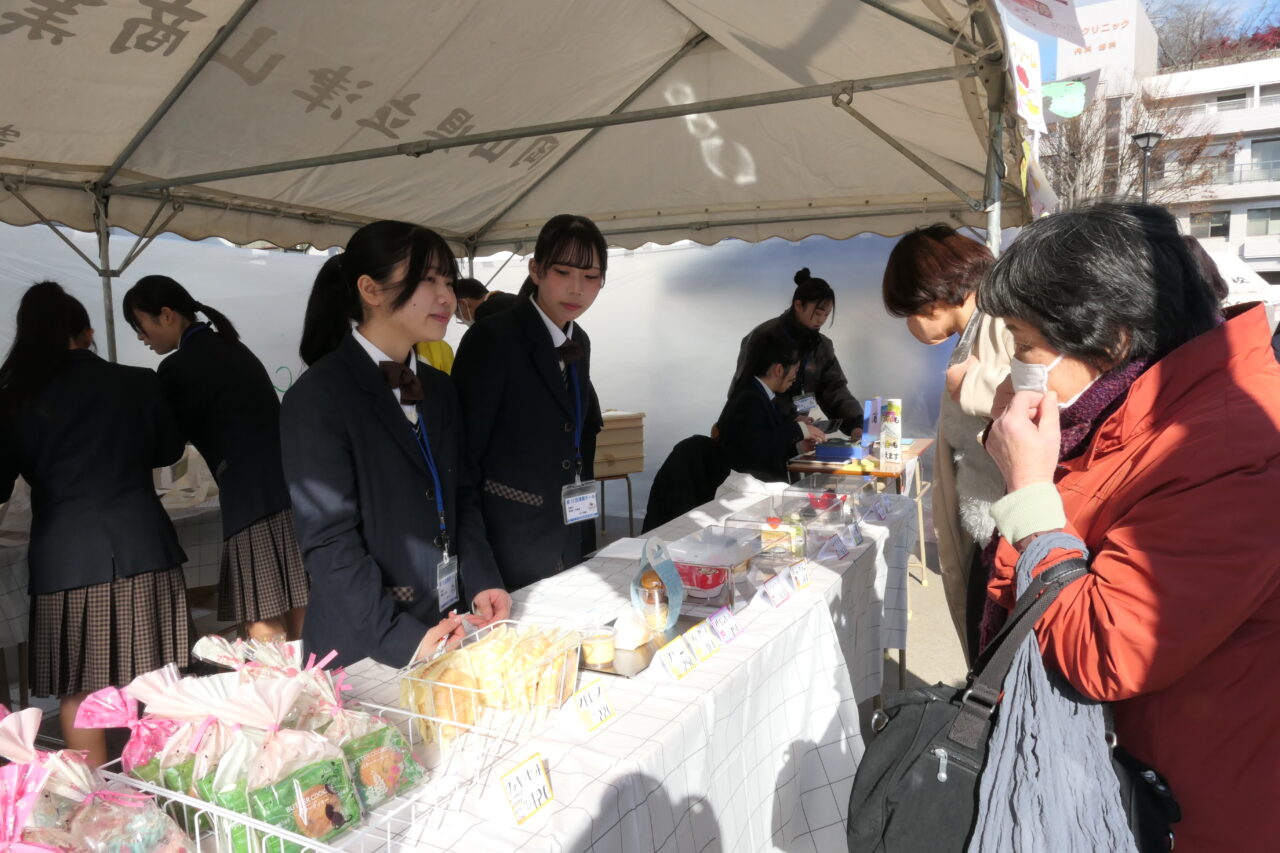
point(16, 193)
point(924, 25)
point(626, 102)
point(843, 102)
point(416, 149)
point(103, 229)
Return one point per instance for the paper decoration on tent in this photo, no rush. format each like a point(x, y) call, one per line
point(1068, 97)
point(1056, 18)
point(1024, 61)
point(1035, 186)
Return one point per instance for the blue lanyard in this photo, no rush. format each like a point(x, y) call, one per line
point(578, 416)
point(423, 445)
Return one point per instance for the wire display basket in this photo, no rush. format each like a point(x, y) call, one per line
point(459, 730)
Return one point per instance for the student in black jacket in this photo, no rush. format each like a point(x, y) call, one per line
point(227, 407)
point(108, 601)
point(820, 381)
point(524, 379)
point(391, 534)
point(757, 439)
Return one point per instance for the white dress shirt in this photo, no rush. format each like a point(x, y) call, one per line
point(410, 409)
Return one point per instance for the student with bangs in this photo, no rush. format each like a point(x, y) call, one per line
point(390, 532)
point(524, 380)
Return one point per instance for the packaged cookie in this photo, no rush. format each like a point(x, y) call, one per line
point(69, 781)
point(112, 708)
point(126, 822)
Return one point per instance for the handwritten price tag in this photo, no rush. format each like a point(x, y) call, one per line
point(528, 788)
point(677, 658)
point(881, 508)
point(800, 575)
point(703, 640)
point(776, 591)
point(839, 547)
point(725, 624)
point(593, 706)
point(852, 535)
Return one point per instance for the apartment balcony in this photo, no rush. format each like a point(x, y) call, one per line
point(1227, 118)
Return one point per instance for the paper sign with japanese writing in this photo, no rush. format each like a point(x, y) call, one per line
point(528, 788)
point(704, 641)
point(776, 590)
point(852, 535)
point(1024, 63)
point(800, 573)
point(678, 658)
point(592, 706)
point(1055, 18)
point(725, 624)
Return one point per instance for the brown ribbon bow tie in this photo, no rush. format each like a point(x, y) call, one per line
point(400, 376)
point(570, 351)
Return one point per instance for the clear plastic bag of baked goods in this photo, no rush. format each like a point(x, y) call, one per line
point(378, 756)
point(291, 779)
point(69, 780)
point(544, 668)
point(112, 821)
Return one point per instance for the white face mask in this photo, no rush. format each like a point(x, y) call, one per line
point(1031, 377)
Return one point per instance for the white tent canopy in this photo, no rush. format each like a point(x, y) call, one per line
point(297, 120)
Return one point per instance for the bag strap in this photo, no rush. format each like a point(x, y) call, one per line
point(980, 698)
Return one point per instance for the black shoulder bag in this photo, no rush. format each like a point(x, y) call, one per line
point(917, 785)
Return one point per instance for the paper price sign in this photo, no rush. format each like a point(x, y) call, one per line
point(725, 624)
point(593, 706)
point(677, 658)
point(776, 591)
point(703, 640)
point(881, 508)
point(839, 546)
point(852, 535)
point(800, 574)
point(528, 788)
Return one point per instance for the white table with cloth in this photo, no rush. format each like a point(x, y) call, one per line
point(755, 749)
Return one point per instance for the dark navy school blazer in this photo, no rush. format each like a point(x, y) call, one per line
point(756, 438)
point(520, 447)
point(364, 507)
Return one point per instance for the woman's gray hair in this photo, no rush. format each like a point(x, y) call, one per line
point(1106, 284)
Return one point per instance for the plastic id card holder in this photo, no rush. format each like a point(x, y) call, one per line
point(805, 403)
point(447, 582)
point(579, 502)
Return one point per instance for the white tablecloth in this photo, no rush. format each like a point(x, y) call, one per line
point(754, 750)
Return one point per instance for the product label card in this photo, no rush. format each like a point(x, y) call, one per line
point(881, 508)
point(592, 705)
point(678, 658)
point(776, 591)
point(703, 640)
point(580, 502)
point(800, 573)
point(725, 624)
point(528, 788)
point(852, 535)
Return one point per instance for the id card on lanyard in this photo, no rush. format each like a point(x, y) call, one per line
point(579, 499)
point(447, 569)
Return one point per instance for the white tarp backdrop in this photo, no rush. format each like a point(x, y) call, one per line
point(665, 330)
point(314, 78)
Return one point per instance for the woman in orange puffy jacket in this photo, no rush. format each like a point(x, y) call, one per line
point(1148, 424)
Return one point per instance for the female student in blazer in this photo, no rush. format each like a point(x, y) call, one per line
point(227, 407)
point(108, 601)
point(390, 533)
point(524, 379)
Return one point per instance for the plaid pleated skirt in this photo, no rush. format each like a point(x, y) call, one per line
point(262, 575)
point(107, 634)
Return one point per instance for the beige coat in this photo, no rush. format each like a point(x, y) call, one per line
point(966, 481)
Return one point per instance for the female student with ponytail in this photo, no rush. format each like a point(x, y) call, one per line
point(391, 534)
point(227, 407)
point(108, 601)
point(524, 379)
point(820, 381)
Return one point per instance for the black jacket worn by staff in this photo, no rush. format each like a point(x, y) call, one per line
point(520, 448)
point(757, 439)
point(364, 507)
point(227, 407)
point(820, 373)
point(86, 444)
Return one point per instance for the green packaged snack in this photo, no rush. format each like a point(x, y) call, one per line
point(318, 801)
point(381, 765)
point(149, 772)
point(179, 778)
point(234, 837)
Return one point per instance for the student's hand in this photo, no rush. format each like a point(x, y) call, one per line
point(450, 628)
point(855, 435)
point(956, 374)
point(812, 433)
point(491, 605)
point(803, 419)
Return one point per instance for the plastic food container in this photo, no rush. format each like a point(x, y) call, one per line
point(707, 560)
point(598, 645)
